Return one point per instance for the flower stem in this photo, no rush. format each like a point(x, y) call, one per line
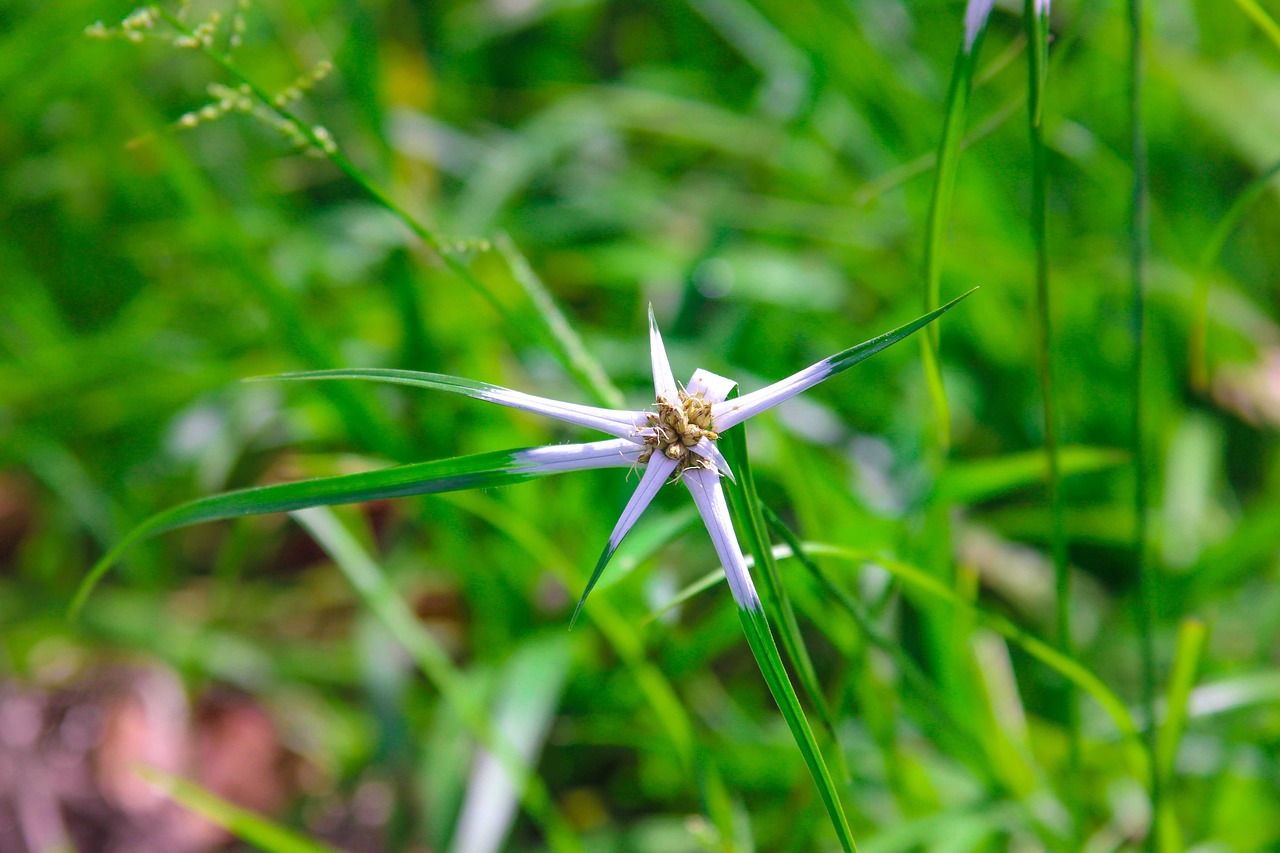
point(1138, 237)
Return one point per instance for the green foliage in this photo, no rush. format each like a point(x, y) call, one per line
point(498, 191)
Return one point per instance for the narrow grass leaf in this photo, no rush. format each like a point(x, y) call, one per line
point(756, 627)
point(944, 180)
point(917, 579)
point(1197, 338)
point(1036, 17)
point(248, 826)
point(1259, 16)
point(974, 480)
point(745, 504)
point(1139, 237)
point(571, 351)
point(1193, 637)
point(531, 688)
point(567, 346)
point(385, 602)
point(612, 421)
point(482, 470)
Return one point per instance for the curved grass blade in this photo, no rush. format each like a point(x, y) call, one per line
point(612, 421)
point(620, 633)
point(626, 639)
point(917, 579)
point(464, 472)
point(382, 598)
point(1259, 16)
point(944, 181)
point(1197, 342)
point(245, 825)
point(573, 353)
point(969, 738)
point(972, 481)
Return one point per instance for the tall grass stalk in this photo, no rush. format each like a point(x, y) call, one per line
point(1139, 229)
point(554, 328)
point(1036, 17)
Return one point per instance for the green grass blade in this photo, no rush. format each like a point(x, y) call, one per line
point(1193, 637)
point(552, 328)
point(382, 598)
point(1139, 236)
point(915, 578)
point(622, 636)
point(944, 180)
point(744, 503)
point(1197, 337)
point(571, 351)
point(916, 677)
point(463, 472)
point(745, 507)
point(1259, 16)
point(1035, 14)
point(246, 825)
point(975, 480)
point(756, 627)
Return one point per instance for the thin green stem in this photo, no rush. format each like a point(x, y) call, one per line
point(1037, 65)
point(552, 326)
point(1138, 238)
point(944, 180)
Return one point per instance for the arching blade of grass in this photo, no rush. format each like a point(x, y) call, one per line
point(1259, 16)
point(918, 580)
point(971, 481)
point(433, 661)
point(551, 327)
point(530, 691)
point(463, 472)
point(589, 372)
point(966, 735)
point(248, 826)
point(944, 181)
point(1193, 636)
point(1197, 343)
point(1036, 16)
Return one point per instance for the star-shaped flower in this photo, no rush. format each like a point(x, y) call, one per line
point(673, 441)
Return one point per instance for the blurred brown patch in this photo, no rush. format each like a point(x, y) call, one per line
point(68, 760)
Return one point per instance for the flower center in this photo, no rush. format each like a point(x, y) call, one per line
point(677, 427)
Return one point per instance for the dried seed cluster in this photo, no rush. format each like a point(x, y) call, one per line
point(678, 426)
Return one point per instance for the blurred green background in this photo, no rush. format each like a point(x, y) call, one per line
point(757, 170)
